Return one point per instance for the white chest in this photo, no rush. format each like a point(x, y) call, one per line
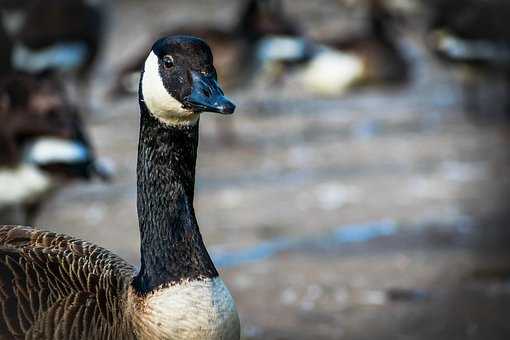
point(23, 184)
point(332, 72)
point(201, 309)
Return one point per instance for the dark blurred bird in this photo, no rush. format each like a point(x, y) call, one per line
point(55, 36)
point(476, 35)
point(371, 58)
point(235, 49)
point(43, 144)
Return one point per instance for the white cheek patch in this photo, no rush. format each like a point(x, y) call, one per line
point(281, 48)
point(53, 150)
point(64, 56)
point(159, 102)
point(13, 21)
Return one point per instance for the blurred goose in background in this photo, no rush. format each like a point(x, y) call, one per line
point(238, 51)
point(54, 36)
point(373, 58)
point(43, 145)
point(476, 36)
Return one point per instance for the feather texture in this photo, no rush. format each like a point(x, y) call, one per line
point(54, 286)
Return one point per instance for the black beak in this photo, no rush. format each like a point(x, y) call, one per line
point(207, 96)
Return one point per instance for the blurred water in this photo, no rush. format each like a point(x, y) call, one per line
point(343, 235)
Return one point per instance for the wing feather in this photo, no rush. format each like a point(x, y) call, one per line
point(56, 287)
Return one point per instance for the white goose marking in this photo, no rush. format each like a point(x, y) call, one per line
point(53, 150)
point(159, 102)
point(190, 310)
point(63, 56)
point(23, 184)
point(332, 72)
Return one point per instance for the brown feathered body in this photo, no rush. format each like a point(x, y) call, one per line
point(54, 286)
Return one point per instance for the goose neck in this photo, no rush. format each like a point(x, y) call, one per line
point(172, 249)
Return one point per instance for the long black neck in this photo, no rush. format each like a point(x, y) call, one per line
point(171, 245)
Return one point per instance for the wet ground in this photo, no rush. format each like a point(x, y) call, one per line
point(378, 215)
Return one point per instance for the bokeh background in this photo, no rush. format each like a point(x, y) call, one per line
point(376, 213)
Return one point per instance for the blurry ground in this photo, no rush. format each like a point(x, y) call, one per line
point(379, 215)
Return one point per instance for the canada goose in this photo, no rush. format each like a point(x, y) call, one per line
point(54, 35)
point(42, 145)
point(62, 37)
point(57, 287)
point(475, 36)
point(372, 58)
point(235, 49)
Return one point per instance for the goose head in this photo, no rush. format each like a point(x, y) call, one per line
point(179, 81)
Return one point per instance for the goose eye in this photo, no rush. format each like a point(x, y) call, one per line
point(168, 61)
